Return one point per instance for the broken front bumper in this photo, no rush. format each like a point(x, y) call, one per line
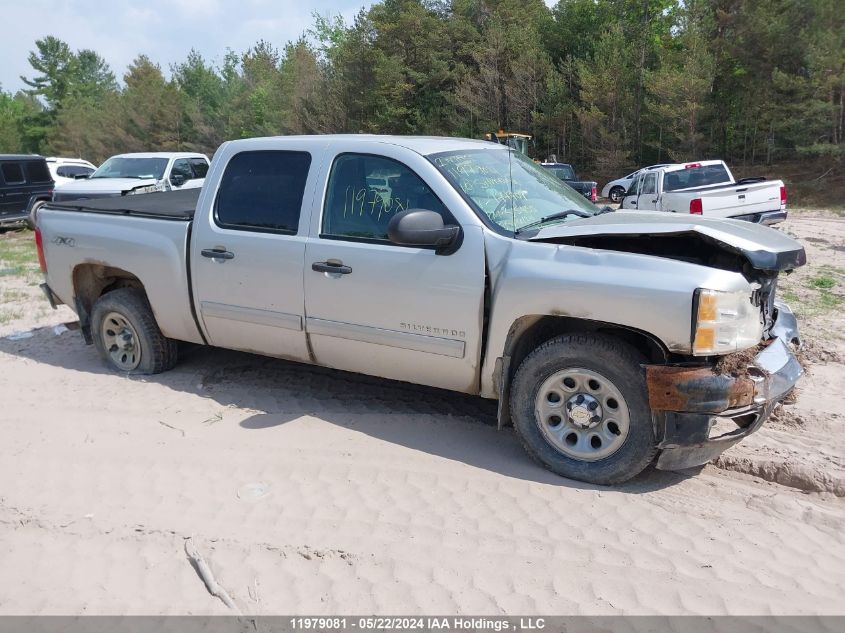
point(691, 402)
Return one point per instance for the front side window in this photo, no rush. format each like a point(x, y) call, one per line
point(182, 168)
point(634, 187)
point(649, 184)
point(12, 173)
point(263, 191)
point(132, 167)
point(365, 192)
point(509, 189)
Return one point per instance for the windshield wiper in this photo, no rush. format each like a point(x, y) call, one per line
point(554, 216)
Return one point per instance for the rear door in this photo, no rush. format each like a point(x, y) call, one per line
point(247, 254)
point(14, 191)
point(374, 307)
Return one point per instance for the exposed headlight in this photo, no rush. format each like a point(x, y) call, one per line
point(725, 322)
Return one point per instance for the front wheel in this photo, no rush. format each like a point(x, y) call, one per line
point(127, 336)
point(579, 405)
point(616, 194)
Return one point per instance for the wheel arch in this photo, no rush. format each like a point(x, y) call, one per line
point(91, 281)
point(530, 331)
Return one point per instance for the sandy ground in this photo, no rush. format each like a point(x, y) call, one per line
point(313, 491)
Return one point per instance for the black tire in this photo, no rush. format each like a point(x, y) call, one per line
point(616, 194)
point(621, 365)
point(157, 352)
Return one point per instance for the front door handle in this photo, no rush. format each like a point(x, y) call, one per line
point(217, 253)
point(331, 266)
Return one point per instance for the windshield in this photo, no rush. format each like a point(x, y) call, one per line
point(124, 167)
point(508, 188)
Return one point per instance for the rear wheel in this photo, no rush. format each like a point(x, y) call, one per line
point(127, 336)
point(616, 194)
point(579, 406)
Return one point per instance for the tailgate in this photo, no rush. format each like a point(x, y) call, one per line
point(742, 199)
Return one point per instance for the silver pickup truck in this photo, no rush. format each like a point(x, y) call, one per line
point(453, 263)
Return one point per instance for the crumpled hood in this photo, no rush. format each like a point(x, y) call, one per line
point(102, 186)
point(764, 247)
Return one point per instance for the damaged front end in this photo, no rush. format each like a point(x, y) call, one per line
point(701, 411)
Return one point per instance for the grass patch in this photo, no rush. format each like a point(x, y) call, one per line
point(18, 256)
point(823, 282)
point(10, 295)
point(828, 300)
point(7, 315)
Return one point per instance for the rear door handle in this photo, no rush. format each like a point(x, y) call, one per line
point(331, 266)
point(216, 253)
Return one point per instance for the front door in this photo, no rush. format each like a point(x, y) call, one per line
point(631, 198)
point(247, 255)
point(377, 308)
point(647, 200)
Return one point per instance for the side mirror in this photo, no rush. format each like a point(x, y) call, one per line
point(419, 227)
point(177, 180)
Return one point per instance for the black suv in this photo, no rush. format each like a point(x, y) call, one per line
point(24, 179)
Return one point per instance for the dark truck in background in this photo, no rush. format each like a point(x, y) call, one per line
point(24, 178)
point(566, 173)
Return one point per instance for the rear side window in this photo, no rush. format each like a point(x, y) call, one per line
point(200, 167)
point(12, 173)
point(71, 171)
point(36, 171)
point(262, 191)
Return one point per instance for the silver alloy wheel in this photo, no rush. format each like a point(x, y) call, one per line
point(582, 414)
point(121, 341)
point(616, 194)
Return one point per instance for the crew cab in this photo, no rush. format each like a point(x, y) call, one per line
point(566, 173)
point(452, 263)
point(128, 174)
point(707, 188)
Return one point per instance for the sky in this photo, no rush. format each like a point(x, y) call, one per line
point(164, 30)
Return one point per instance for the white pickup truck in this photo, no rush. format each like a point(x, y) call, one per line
point(707, 188)
point(452, 263)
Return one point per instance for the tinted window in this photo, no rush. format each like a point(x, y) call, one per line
point(36, 171)
point(650, 184)
point(12, 173)
point(695, 177)
point(365, 192)
point(263, 191)
point(633, 188)
point(564, 172)
point(71, 171)
point(200, 167)
point(182, 168)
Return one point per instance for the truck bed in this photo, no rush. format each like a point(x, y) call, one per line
point(163, 205)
